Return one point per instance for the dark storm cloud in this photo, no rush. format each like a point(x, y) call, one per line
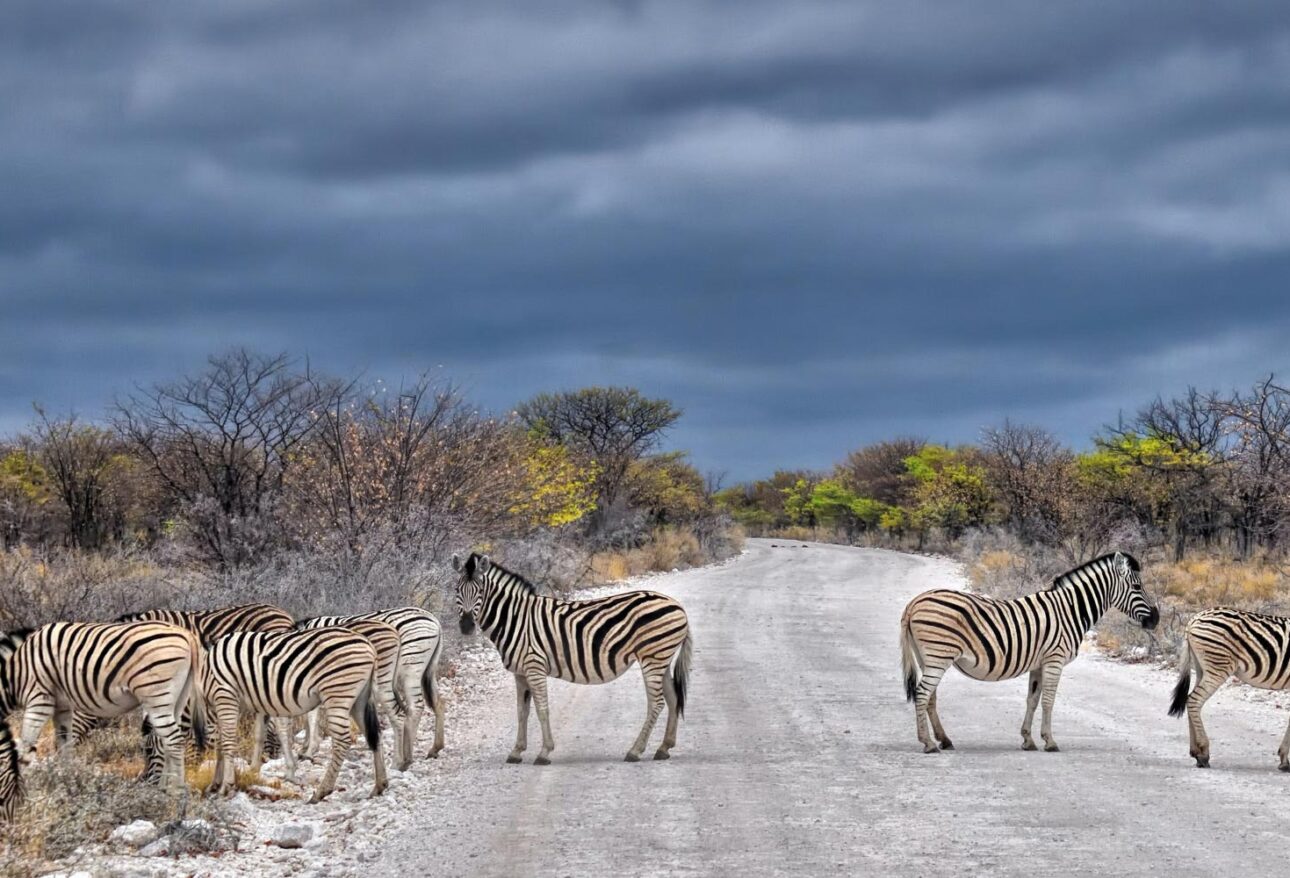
point(813, 224)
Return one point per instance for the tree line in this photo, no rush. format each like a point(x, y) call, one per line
point(257, 453)
point(1201, 469)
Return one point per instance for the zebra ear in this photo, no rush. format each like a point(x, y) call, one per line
point(1121, 562)
point(456, 562)
point(484, 563)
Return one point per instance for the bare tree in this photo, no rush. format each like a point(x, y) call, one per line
point(612, 425)
point(1030, 471)
point(878, 471)
point(222, 441)
point(1259, 457)
point(79, 460)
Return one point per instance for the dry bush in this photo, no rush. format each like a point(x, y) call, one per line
point(45, 586)
point(71, 802)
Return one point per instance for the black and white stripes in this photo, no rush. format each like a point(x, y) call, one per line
point(591, 641)
point(290, 674)
point(1221, 643)
point(990, 639)
point(104, 670)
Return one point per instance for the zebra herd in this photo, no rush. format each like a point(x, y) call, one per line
point(194, 672)
point(188, 671)
point(1039, 634)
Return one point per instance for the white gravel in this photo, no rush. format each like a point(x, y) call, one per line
point(798, 756)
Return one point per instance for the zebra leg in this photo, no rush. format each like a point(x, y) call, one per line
point(258, 735)
point(1284, 751)
point(338, 729)
point(523, 698)
point(225, 712)
point(1052, 675)
point(537, 683)
point(1032, 701)
point(437, 706)
point(171, 742)
point(39, 710)
point(63, 732)
point(933, 669)
point(937, 729)
point(653, 675)
point(357, 712)
point(664, 750)
point(281, 726)
point(412, 719)
point(1210, 679)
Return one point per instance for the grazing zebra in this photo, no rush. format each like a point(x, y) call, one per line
point(1223, 642)
point(104, 670)
point(287, 675)
point(10, 776)
point(992, 639)
point(420, 645)
point(209, 626)
point(592, 641)
point(389, 695)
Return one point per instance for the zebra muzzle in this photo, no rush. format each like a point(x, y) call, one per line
point(467, 623)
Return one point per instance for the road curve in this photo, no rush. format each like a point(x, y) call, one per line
point(798, 756)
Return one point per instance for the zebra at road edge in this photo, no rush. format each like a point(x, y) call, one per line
point(994, 639)
point(589, 641)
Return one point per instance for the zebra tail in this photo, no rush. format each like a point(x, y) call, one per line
point(681, 672)
point(371, 722)
point(910, 665)
point(1179, 705)
point(429, 690)
point(197, 700)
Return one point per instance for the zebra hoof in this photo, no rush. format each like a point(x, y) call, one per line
point(542, 760)
point(947, 744)
point(513, 759)
point(931, 748)
point(660, 755)
point(631, 757)
point(434, 753)
point(1202, 762)
point(1051, 748)
point(1284, 766)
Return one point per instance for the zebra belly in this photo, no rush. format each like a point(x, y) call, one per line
point(606, 675)
point(982, 671)
point(121, 701)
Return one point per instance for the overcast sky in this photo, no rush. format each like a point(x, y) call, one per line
point(812, 225)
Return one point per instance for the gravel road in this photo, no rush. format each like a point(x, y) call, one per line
point(798, 756)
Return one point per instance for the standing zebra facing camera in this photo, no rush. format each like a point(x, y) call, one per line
point(591, 641)
point(992, 639)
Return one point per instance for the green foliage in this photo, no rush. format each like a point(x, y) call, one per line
point(22, 474)
point(557, 490)
point(668, 487)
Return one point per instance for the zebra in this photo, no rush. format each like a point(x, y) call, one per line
point(289, 674)
point(11, 789)
point(590, 641)
point(1225, 642)
point(389, 692)
point(993, 639)
point(209, 626)
point(68, 669)
point(420, 647)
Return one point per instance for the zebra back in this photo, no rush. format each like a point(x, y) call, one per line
point(274, 673)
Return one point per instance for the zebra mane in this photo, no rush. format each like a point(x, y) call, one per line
point(473, 561)
point(1067, 577)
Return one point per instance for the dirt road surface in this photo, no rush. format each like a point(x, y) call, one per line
point(798, 756)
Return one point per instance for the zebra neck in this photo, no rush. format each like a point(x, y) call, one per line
point(502, 603)
point(1089, 600)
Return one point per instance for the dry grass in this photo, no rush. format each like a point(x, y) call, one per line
point(1206, 582)
point(668, 550)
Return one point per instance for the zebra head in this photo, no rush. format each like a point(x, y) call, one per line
point(470, 590)
point(1127, 595)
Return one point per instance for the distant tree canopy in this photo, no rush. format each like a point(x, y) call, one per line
point(614, 427)
point(253, 454)
point(1201, 468)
